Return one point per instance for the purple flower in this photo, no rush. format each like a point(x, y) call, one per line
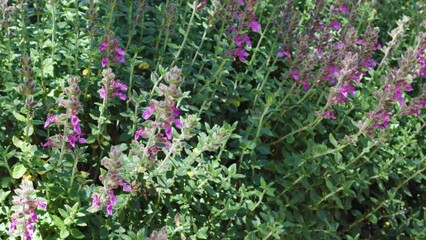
point(110, 202)
point(103, 45)
point(283, 53)
point(126, 187)
point(398, 96)
point(120, 58)
point(109, 208)
point(336, 25)
point(381, 118)
point(240, 2)
point(149, 111)
point(340, 45)
point(102, 92)
point(305, 84)
point(96, 201)
point(319, 52)
point(328, 114)
point(168, 131)
point(138, 133)
point(76, 125)
point(369, 63)
point(118, 87)
point(295, 74)
point(104, 61)
point(12, 225)
point(344, 9)
point(50, 119)
point(119, 51)
point(241, 53)
point(48, 143)
point(178, 123)
point(240, 39)
point(255, 25)
point(41, 204)
point(33, 216)
point(176, 111)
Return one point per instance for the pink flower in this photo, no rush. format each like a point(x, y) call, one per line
point(319, 52)
point(120, 58)
point(41, 204)
point(255, 25)
point(119, 51)
point(305, 84)
point(48, 143)
point(149, 111)
point(76, 125)
point(104, 61)
point(178, 123)
point(12, 225)
point(103, 45)
point(96, 201)
point(126, 187)
point(328, 114)
point(382, 119)
point(168, 131)
point(283, 53)
point(295, 74)
point(240, 39)
point(369, 63)
point(102, 92)
point(344, 9)
point(50, 119)
point(340, 45)
point(241, 53)
point(138, 133)
point(336, 25)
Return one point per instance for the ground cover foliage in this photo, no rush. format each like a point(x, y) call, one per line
point(234, 119)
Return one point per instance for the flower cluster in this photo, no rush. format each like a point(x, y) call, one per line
point(395, 84)
point(7, 14)
point(421, 56)
point(245, 19)
point(155, 235)
point(28, 87)
point(325, 54)
point(111, 87)
point(70, 121)
point(111, 181)
point(24, 217)
point(165, 114)
point(113, 53)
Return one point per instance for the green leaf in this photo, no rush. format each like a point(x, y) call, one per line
point(59, 223)
point(19, 116)
point(18, 171)
point(77, 233)
point(373, 219)
point(48, 67)
point(332, 140)
point(202, 233)
point(64, 234)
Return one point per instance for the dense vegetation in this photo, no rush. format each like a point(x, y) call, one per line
point(233, 119)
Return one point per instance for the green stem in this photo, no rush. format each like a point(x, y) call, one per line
point(74, 170)
point(185, 38)
point(63, 142)
point(53, 12)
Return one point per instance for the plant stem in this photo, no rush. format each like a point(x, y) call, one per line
point(74, 169)
point(185, 38)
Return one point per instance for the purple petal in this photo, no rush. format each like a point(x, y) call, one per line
point(104, 61)
point(255, 25)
